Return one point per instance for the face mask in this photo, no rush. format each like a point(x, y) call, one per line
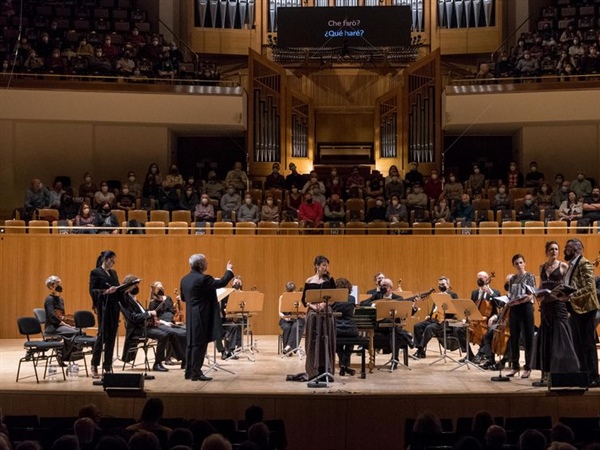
point(480, 282)
point(125, 191)
point(394, 180)
point(379, 203)
point(533, 168)
point(86, 210)
point(104, 188)
point(442, 206)
point(106, 211)
point(569, 257)
point(248, 201)
point(395, 202)
point(502, 191)
point(204, 201)
point(442, 288)
point(580, 177)
point(313, 180)
point(294, 190)
point(309, 200)
point(191, 181)
point(336, 182)
point(513, 168)
point(334, 173)
point(528, 202)
point(269, 202)
point(237, 286)
point(544, 189)
point(58, 288)
point(452, 179)
point(189, 193)
point(135, 291)
point(231, 191)
point(564, 189)
point(434, 177)
point(161, 291)
point(316, 191)
point(88, 180)
point(154, 170)
point(475, 170)
point(132, 179)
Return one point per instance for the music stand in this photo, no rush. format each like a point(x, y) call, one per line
point(394, 309)
point(324, 296)
point(445, 303)
point(242, 304)
point(470, 312)
point(291, 302)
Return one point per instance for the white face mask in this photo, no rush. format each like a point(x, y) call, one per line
point(269, 202)
point(204, 201)
point(248, 201)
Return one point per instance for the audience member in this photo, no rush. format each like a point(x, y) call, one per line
point(216, 442)
point(68, 208)
point(105, 221)
point(416, 199)
point(293, 200)
point(591, 206)
point(237, 177)
point(501, 199)
point(151, 187)
point(476, 182)
point(253, 414)
point(527, 66)
point(562, 194)
point(529, 210)
point(55, 63)
point(463, 211)
point(581, 186)
point(270, 210)
point(174, 178)
point(151, 414)
point(395, 186)
point(189, 198)
point(495, 438)
point(204, 211)
point(164, 67)
point(112, 443)
point(200, 429)
point(28, 445)
point(294, 178)
point(441, 212)
point(396, 211)
point(310, 213)
point(155, 170)
point(532, 440)
point(248, 211)
point(355, 183)
point(84, 48)
point(144, 440)
point(514, 178)
point(91, 411)
point(433, 186)
point(213, 187)
point(312, 181)
point(334, 209)
point(484, 74)
point(87, 433)
point(104, 195)
point(544, 198)
point(55, 194)
point(453, 190)
point(168, 198)
point(125, 65)
point(467, 443)
point(378, 211)
point(260, 435)
point(413, 176)
point(562, 433)
point(33, 63)
point(37, 196)
point(181, 437)
point(275, 180)
point(125, 200)
point(376, 185)
point(533, 177)
point(66, 442)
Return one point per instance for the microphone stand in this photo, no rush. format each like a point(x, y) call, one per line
point(299, 350)
point(315, 382)
point(445, 353)
point(467, 362)
point(100, 382)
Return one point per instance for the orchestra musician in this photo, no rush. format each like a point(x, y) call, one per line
point(318, 324)
point(403, 338)
point(520, 288)
point(105, 298)
point(483, 298)
point(290, 326)
point(345, 327)
point(582, 306)
point(431, 327)
point(378, 278)
point(141, 322)
point(203, 316)
point(54, 306)
point(165, 316)
point(554, 350)
point(232, 338)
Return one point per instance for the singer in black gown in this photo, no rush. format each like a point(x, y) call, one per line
point(554, 350)
point(318, 323)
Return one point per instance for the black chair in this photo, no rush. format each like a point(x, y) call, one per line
point(36, 351)
point(135, 343)
point(40, 315)
point(85, 344)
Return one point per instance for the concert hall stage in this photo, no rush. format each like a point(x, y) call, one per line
point(351, 414)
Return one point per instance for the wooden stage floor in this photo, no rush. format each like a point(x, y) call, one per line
point(347, 415)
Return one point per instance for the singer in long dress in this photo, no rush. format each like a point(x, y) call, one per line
point(317, 323)
point(554, 350)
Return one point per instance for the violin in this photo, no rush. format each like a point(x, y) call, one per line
point(502, 332)
point(69, 319)
point(485, 307)
point(596, 262)
point(178, 316)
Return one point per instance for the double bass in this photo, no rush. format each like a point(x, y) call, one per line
point(502, 332)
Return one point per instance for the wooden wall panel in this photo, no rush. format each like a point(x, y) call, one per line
point(266, 262)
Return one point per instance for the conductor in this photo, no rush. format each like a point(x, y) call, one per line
point(203, 324)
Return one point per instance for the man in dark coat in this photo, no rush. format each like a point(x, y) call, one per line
point(203, 315)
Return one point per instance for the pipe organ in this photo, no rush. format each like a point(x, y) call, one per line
point(300, 128)
point(388, 128)
point(466, 13)
point(232, 14)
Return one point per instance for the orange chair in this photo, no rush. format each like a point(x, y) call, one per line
point(445, 228)
point(182, 216)
point(180, 227)
point(155, 227)
point(399, 228)
point(245, 228)
point(356, 227)
point(223, 228)
point(335, 230)
point(269, 228)
point(534, 227)
point(141, 215)
point(422, 228)
point(49, 214)
point(512, 227)
point(489, 228)
point(377, 227)
point(15, 226)
point(119, 214)
point(159, 215)
point(39, 227)
point(556, 227)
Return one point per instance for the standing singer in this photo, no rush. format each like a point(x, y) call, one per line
point(203, 315)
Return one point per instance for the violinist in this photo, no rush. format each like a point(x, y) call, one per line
point(54, 306)
point(140, 322)
point(165, 315)
point(431, 327)
point(482, 296)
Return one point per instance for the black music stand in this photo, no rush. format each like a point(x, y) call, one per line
point(471, 312)
point(291, 301)
point(394, 309)
point(243, 304)
point(326, 296)
point(445, 303)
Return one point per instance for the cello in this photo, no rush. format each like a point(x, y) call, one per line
point(478, 329)
point(502, 332)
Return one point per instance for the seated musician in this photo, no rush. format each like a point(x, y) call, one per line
point(378, 278)
point(232, 338)
point(403, 337)
point(431, 327)
point(54, 306)
point(345, 326)
point(482, 296)
point(165, 313)
point(291, 326)
point(499, 318)
point(140, 322)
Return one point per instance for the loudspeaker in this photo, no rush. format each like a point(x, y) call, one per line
point(572, 381)
point(124, 384)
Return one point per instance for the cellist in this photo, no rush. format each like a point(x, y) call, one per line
point(482, 296)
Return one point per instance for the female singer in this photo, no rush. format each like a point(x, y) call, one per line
point(554, 350)
point(105, 297)
point(317, 325)
point(520, 288)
